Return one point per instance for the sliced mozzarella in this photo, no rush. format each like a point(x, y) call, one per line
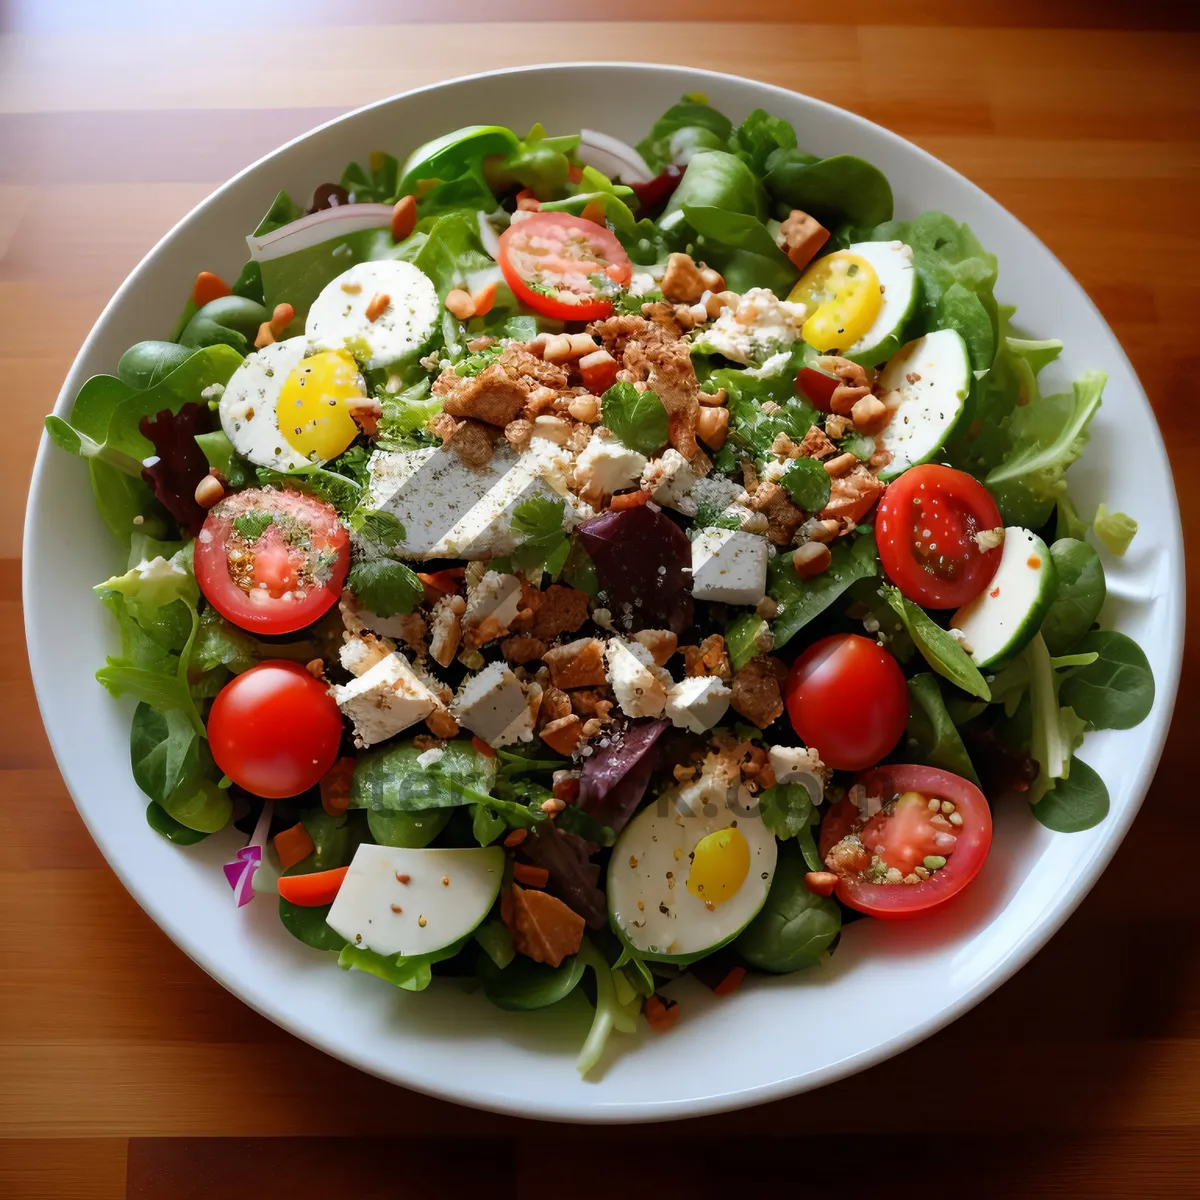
point(1003, 618)
point(892, 263)
point(450, 510)
point(926, 386)
point(655, 899)
point(338, 317)
point(401, 901)
point(248, 406)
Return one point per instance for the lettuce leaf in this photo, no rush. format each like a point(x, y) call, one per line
point(685, 127)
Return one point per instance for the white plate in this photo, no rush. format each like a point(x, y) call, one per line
point(888, 985)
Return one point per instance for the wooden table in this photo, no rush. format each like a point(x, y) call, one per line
point(1080, 1077)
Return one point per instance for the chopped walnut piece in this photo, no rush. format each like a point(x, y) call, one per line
point(577, 664)
point(783, 516)
point(661, 643)
point(816, 444)
point(555, 704)
point(542, 926)
point(521, 649)
point(709, 658)
point(756, 694)
point(663, 314)
point(592, 702)
point(563, 734)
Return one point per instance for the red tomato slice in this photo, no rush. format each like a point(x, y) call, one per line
point(272, 576)
point(925, 528)
point(903, 833)
point(818, 386)
point(846, 696)
point(275, 730)
point(563, 266)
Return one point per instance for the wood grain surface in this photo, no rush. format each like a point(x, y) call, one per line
point(1081, 1077)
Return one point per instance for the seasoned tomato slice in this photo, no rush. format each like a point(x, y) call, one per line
point(927, 527)
point(925, 839)
point(272, 561)
point(563, 266)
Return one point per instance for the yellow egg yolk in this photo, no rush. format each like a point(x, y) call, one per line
point(313, 410)
point(720, 864)
point(843, 297)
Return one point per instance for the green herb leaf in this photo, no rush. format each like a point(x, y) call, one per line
point(1077, 802)
point(252, 525)
point(377, 527)
point(937, 647)
point(1116, 691)
point(637, 419)
point(385, 587)
point(933, 738)
point(545, 547)
point(807, 482)
point(787, 809)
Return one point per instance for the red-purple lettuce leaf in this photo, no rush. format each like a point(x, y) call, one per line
point(643, 566)
point(181, 463)
point(574, 878)
point(615, 777)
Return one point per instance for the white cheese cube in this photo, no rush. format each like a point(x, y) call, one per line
point(360, 652)
point(606, 466)
point(388, 698)
point(639, 686)
point(495, 595)
point(729, 566)
point(670, 479)
point(697, 702)
point(493, 706)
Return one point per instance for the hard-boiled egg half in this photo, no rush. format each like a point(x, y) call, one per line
point(692, 869)
point(380, 311)
point(283, 410)
point(859, 300)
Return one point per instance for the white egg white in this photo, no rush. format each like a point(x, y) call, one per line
point(892, 263)
point(338, 317)
point(649, 903)
point(249, 402)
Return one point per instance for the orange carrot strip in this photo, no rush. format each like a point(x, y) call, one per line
point(628, 500)
point(311, 891)
point(293, 845)
point(660, 1013)
point(483, 747)
point(209, 287)
point(485, 300)
point(820, 883)
point(593, 211)
point(530, 875)
point(731, 982)
point(574, 173)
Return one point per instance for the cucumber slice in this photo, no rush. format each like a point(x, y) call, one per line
point(1002, 619)
point(892, 263)
point(932, 377)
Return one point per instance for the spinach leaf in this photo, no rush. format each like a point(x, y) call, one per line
point(412, 973)
point(637, 419)
point(807, 483)
point(1079, 598)
point(801, 600)
point(163, 823)
point(958, 278)
point(932, 736)
point(120, 498)
point(309, 926)
point(937, 647)
point(171, 763)
point(412, 830)
point(741, 247)
point(389, 779)
point(147, 363)
point(788, 809)
point(227, 321)
point(742, 636)
point(841, 192)
point(713, 179)
point(795, 928)
point(682, 129)
point(486, 825)
point(1116, 691)
point(385, 586)
point(496, 942)
point(525, 985)
point(544, 546)
point(1077, 802)
point(759, 136)
point(1115, 529)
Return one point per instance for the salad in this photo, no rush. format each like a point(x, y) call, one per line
point(576, 566)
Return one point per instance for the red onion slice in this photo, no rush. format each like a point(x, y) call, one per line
point(612, 157)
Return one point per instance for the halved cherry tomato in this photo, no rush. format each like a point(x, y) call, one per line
point(275, 730)
point(903, 833)
point(818, 386)
point(926, 526)
point(563, 266)
point(846, 696)
point(272, 561)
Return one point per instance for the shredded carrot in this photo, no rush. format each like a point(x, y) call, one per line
point(293, 845)
point(527, 201)
point(593, 211)
point(516, 837)
point(660, 1013)
point(440, 583)
point(311, 891)
point(574, 173)
point(820, 883)
point(209, 287)
point(531, 876)
point(335, 787)
point(485, 300)
point(628, 500)
point(731, 982)
point(483, 747)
